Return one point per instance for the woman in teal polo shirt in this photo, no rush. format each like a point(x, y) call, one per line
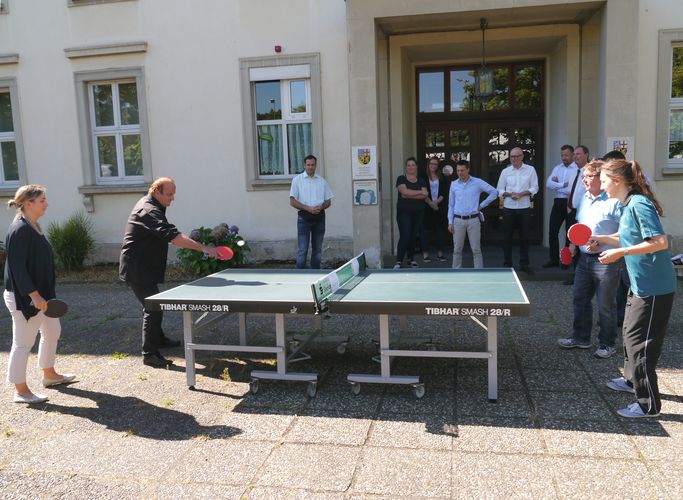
point(642, 243)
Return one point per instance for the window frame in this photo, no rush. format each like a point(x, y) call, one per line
point(117, 130)
point(9, 188)
point(89, 157)
point(279, 68)
point(666, 168)
point(287, 118)
point(4, 7)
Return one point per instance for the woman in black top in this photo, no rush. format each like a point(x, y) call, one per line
point(29, 283)
point(410, 205)
point(435, 219)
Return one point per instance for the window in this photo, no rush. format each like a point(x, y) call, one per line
point(281, 116)
point(12, 172)
point(283, 125)
point(115, 120)
point(669, 129)
point(676, 108)
point(114, 137)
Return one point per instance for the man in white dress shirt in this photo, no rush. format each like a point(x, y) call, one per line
point(560, 181)
point(517, 185)
point(310, 194)
point(576, 193)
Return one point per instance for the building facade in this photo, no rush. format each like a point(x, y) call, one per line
point(99, 97)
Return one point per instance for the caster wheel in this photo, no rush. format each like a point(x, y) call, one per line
point(341, 348)
point(311, 389)
point(253, 386)
point(355, 388)
point(419, 390)
point(191, 388)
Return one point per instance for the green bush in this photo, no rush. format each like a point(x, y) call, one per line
point(72, 242)
point(221, 235)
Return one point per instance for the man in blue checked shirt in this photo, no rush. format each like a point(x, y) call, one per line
point(464, 212)
point(592, 278)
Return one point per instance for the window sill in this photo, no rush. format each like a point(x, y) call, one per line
point(270, 185)
point(113, 189)
point(8, 191)
point(672, 172)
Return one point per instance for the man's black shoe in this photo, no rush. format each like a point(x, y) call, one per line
point(166, 342)
point(528, 270)
point(564, 267)
point(550, 264)
point(156, 360)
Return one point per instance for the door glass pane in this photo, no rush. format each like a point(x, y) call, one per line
point(460, 155)
point(501, 91)
point(498, 137)
point(524, 136)
point(128, 102)
point(462, 90)
point(435, 139)
point(297, 92)
point(270, 150)
point(106, 151)
point(299, 145)
point(268, 105)
point(104, 107)
point(528, 87)
point(438, 154)
point(6, 122)
point(677, 73)
point(431, 90)
point(460, 137)
point(10, 166)
point(132, 154)
point(676, 134)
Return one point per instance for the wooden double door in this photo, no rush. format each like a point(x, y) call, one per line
point(486, 145)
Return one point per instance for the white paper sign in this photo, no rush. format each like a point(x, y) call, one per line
point(364, 162)
point(365, 192)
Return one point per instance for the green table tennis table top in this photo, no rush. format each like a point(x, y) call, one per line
point(431, 292)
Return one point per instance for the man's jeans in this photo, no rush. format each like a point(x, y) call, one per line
point(310, 228)
point(593, 278)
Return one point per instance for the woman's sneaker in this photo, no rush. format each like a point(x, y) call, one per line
point(620, 384)
point(605, 351)
point(635, 411)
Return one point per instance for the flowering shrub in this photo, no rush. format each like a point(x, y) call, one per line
point(221, 235)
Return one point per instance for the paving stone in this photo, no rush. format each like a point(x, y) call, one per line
point(588, 438)
point(309, 466)
point(568, 405)
point(264, 493)
point(501, 476)
point(498, 435)
point(329, 427)
point(434, 432)
point(404, 472)
point(558, 381)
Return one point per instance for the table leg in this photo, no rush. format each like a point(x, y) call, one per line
point(189, 351)
point(492, 324)
point(243, 328)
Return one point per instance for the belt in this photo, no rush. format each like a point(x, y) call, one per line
point(465, 217)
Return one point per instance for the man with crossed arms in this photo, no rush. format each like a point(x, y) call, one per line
point(464, 212)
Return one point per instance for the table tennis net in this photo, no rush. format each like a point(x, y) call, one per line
point(328, 285)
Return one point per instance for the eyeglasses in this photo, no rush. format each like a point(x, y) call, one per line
point(590, 176)
point(516, 156)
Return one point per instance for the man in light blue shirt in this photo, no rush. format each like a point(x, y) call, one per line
point(601, 214)
point(310, 194)
point(464, 212)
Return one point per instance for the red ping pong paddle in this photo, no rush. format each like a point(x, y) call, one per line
point(224, 253)
point(566, 256)
point(579, 234)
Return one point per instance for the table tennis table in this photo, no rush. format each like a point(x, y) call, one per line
point(489, 293)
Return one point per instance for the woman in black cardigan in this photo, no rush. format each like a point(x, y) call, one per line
point(29, 283)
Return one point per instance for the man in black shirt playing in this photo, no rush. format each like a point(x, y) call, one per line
point(142, 264)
